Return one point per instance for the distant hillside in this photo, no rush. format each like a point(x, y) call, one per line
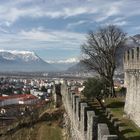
point(79, 67)
point(22, 61)
point(62, 66)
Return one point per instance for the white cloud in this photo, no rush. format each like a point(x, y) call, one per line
point(120, 23)
point(113, 10)
point(135, 30)
point(11, 14)
point(74, 24)
point(12, 10)
point(2, 30)
point(52, 36)
point(119, 19)
point(109, 10)
point(117, 23)
point(69, 12)
point(77, 11)
point(63, 13)
point(123, 8)
point(97, 10)
point(38, 38)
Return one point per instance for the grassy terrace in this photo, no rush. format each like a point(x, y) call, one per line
point(45, 131)
point(40, 131)
point(129, 130)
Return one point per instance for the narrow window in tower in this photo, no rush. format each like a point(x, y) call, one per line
point(137, 52)
point(132, 53)
point(124, 57)
point(128, 54)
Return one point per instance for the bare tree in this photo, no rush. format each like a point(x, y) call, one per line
point(99, 52)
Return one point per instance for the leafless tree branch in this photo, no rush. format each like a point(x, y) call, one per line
point(100, 51)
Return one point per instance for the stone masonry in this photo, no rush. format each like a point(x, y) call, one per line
point(83, 121)
point(132, 83)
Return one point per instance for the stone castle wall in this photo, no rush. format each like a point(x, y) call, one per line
point(83, 121)
point(132, 83)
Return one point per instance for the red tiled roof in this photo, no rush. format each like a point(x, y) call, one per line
point(21, 96)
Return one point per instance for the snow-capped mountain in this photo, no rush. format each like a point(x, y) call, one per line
point(24, 56)
point(63, 65)
point(22, 61)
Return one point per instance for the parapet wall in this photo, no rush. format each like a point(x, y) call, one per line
point(132, 59)
point(84, 122)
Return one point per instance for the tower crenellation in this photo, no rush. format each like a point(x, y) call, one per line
point(132, 59)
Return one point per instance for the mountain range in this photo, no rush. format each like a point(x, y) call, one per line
point(24, 61)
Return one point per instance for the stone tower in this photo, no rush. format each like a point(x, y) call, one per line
point(132, 82)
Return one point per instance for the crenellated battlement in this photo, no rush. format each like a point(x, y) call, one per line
point(132, 59)
point(83, 122)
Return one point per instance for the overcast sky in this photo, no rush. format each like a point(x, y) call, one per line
point(55, 29)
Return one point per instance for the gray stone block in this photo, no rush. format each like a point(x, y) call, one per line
point(102, 130)
point(110, 137)
point(72, 100)
point(110, 115)
point(120, 128)
point(77, 108)
point(82, 120)
point(116, 124)
point(113, 119)
point(90, 115)
point(95, 127)
point(107, 111)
